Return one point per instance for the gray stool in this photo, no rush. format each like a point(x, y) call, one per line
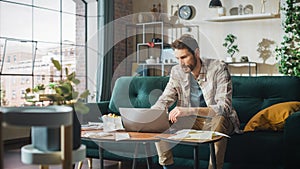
point(31, 155)
point(50, 116)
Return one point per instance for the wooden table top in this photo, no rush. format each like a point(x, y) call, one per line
point(134, 136)
point(165, 137)
point(95, 134)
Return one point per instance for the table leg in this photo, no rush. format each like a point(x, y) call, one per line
point(148, 158)
point(249, 68)
point(196, 157)
point(136, 149)
point(66, 146)
point(213, 155)
point(256, 69)
point(144, 74)
point(101, 156)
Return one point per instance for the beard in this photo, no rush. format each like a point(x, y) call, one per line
point(186, 68)
point(189, 68)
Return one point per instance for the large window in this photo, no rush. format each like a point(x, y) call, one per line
point(31, 33)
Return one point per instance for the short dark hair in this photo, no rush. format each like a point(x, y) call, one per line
point(186, 41)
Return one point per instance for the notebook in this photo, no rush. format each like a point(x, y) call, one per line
point(144, 120)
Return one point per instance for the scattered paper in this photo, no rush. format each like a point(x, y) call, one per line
point(95, 124)
point(121, 136)
point(196, 134)
point(180, 136)
point(201, 135)
point(221, 134)
point(97, 134)
point(92, 126)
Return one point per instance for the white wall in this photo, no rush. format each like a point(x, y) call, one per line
point(249, 33)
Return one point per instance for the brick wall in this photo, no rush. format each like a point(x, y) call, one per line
point(80, 51)
point(122, 8)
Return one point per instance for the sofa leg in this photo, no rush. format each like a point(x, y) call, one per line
point(79, 165)
point(90, 163)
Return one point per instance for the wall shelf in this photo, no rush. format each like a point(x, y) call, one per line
point(244, 64)
point(243, 17)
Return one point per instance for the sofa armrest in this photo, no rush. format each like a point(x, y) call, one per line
point(96, 110)
point(103, 106)
point(292, 140)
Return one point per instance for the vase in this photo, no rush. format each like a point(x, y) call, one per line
point(228, 59)
point(48, 139)
point(221, 11)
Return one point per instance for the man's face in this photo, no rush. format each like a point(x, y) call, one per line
point(186, 59)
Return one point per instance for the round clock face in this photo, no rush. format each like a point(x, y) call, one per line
point(185, 12)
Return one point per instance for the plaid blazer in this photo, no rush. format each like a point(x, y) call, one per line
point(215, 83)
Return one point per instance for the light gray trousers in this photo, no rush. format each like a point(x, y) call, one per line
point(217, 123)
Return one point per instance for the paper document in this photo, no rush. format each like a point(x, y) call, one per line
point(122, 136)
point(95, 124)
point(196, 134)
point(97, 134)
point(221, 134)
point(92, 126)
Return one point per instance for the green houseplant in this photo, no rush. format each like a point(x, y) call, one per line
point(231, 48)
point(288, 54)
point(39, 88)
point(65, 94)
point(65, 91)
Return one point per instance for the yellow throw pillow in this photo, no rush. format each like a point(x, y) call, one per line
point(273, 117)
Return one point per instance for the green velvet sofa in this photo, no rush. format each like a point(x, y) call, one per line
point(250, 150)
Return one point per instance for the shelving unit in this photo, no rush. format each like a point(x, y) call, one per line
point(144, 34)
point(161, 65)
point(243, 17)
point(144, 41)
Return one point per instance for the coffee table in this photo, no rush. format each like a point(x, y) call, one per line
point(195, 143)
point(136, 138)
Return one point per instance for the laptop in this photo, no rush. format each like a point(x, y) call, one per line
point(144, 120)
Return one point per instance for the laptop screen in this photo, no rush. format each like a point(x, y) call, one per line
point(144, 120)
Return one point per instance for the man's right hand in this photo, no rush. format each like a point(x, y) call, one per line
point(180, 112)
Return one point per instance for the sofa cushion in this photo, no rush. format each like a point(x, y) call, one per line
point(256, 147)
point(273, 117)
point(138, 92)
point(253, 94)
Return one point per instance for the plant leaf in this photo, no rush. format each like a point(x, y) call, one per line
point(56, 64)
point(76, 81)
point(84, 94)
point(81, 108)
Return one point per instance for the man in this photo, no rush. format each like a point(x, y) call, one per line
point(202, 90)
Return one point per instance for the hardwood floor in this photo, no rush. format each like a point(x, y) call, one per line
point(12, 160)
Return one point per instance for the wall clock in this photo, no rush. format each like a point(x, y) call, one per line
point(186, 12)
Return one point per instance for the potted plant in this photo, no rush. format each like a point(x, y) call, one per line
point(231, 48)
point(288, 54)
point(40, 88)
point(65, 94)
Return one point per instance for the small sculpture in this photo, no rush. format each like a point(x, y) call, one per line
point(263, 6)
point(156, 12)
